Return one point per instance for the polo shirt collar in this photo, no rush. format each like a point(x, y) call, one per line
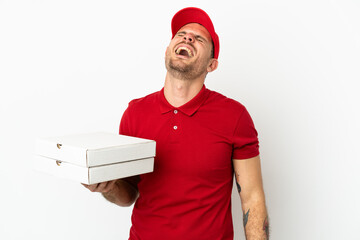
point(188, 108)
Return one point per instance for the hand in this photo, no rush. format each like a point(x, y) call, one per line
point(102, 187)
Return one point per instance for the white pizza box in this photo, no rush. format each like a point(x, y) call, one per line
point(93, 175)
point(94, 157)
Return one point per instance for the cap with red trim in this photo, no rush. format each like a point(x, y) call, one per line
point(195, 15)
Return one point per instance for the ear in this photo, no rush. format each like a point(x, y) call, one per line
point(213, 64)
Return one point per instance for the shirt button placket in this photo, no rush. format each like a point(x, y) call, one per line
point(175, 127)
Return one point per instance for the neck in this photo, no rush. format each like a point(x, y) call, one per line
point(178, 92)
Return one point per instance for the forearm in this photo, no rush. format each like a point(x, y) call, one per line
point(250, 188)
point(123, 194)
point(255, 219)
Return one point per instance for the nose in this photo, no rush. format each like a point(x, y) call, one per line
point(189, 37)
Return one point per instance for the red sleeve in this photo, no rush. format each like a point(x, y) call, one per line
point(124, 128)
point(246, 143)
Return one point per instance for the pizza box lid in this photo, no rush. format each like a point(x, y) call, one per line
point(95, 149)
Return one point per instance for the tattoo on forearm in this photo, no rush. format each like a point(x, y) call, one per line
point(238, 187)
point(245, 217)
point(237, 184)
point(266, 227)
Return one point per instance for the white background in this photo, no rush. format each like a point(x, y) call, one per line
point(72, 67)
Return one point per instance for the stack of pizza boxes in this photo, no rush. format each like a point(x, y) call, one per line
point(94, 157)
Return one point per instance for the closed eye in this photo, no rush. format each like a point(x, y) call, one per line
point(200, 38)
point(180, 34)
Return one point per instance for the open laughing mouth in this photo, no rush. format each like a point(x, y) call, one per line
point(184, 51)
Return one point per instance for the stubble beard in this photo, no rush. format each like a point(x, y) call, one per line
point(184, 71)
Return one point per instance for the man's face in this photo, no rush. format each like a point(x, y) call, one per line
point(189, 52)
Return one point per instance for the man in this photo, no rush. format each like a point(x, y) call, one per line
point(202, 139)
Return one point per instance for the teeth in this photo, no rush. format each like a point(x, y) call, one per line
point(184, 48)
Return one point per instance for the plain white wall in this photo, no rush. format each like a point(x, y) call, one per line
point(72, 66)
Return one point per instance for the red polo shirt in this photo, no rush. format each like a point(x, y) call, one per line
point(188, 196)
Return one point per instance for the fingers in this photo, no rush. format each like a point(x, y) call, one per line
point(92, 187)
point(108, 186)
point(102, 187)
